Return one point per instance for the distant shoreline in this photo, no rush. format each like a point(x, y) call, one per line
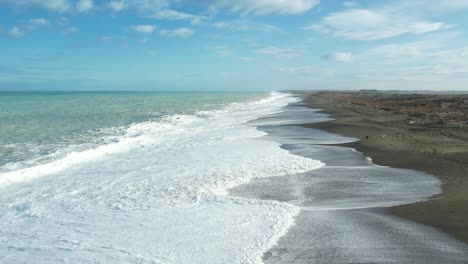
point(399, 138)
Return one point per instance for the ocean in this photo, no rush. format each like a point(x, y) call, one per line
point(138, 177)
point(39, 126)
point(199, 178)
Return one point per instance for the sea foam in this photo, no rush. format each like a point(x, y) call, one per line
point(157, 195)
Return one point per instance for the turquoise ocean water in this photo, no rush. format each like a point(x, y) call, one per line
point(37, 127)
point(139, 177)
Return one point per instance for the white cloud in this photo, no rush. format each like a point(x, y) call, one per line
point(152, 5)
point(410, 50)
point(246, 59)
point(266, 7)
point(421, 8)
point(366, 24)
point(52, 5)
point(338, 56)
point(170, 14)
point(63, 21)
point(35, 22)
point(56, 5)
point(145, 29)
point(454, 57)
point(444, 70)
point(278, 52)
point(15, 32)
point(71, 30)
point(224, 52)
point(84, 5)
point(318, 28)
point(355, 19)
point(38, 21)
point(245, 25)
point(222, 24)
point(117, 6)
point(350, 4)
point(105, 38)
point(299, 70)
point(29, 25)
point(166, 9)
point(156, 9)
point(179, 33)
point(427, 75)
point(427, 61)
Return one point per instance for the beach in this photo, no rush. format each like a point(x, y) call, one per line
point(222, 178)
point(394, 137)
point(355, 209)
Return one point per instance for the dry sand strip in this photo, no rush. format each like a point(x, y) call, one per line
point(413, 131)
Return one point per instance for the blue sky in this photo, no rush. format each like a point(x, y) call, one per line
point(233, 44)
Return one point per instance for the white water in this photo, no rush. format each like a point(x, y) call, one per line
point(342, 217)
point(158, 195)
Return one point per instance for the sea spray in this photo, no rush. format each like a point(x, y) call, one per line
point(161, 198)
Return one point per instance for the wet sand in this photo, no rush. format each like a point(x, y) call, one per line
point(399, 139)
point(343, 206)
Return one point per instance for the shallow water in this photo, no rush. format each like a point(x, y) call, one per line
point(157, 194)
point(363, 236)
point(347, 187)
point(342, 216)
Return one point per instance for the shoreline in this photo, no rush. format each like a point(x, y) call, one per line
point(343, 215)
point(388, 141)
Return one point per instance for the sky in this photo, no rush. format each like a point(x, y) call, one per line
point(239, 45)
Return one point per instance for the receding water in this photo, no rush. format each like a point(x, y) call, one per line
point(342, 216)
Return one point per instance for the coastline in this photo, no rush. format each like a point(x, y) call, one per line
point(141, 203)
point(389, 141)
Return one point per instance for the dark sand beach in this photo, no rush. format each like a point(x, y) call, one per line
point(424, 132)
point(344, 205)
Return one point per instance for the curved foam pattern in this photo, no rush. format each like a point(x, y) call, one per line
point(157, 195)
point(341, 218)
